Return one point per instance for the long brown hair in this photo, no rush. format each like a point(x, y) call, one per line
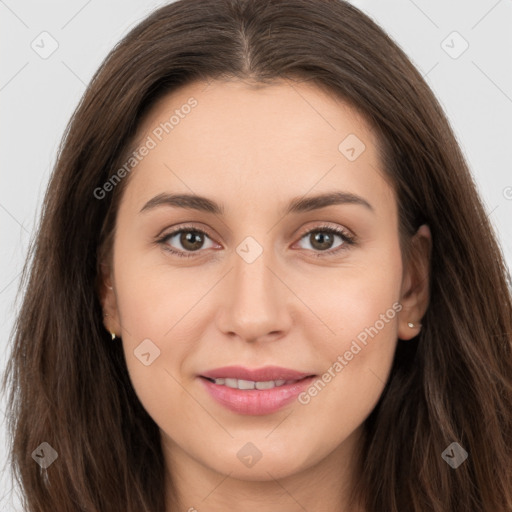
point(68, 382)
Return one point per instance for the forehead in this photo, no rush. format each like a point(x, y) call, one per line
point(278, 116)
point(277, 140)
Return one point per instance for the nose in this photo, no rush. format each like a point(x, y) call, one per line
point(256, 302)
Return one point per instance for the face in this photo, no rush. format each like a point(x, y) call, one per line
point(256, 275)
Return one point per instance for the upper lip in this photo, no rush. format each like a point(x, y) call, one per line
point(264, 374)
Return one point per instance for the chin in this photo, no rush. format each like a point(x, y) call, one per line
point(248, 462)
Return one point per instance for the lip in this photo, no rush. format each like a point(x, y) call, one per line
point(252, 401)
point(258, 374)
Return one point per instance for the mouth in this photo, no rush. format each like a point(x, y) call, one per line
point(244, 385)
point(269, 390)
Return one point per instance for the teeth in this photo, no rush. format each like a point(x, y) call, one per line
point(246, 384)
point(269, 384)
point(231, 383)
point(250, 384)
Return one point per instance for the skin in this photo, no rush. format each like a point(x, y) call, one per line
point(253, 149)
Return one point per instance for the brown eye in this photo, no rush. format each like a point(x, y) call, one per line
point(184, 241)
point(191, 240)
point(322, 239)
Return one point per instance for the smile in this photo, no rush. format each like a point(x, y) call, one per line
point(254, 397)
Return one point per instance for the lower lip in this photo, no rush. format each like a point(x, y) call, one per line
point(253, 401)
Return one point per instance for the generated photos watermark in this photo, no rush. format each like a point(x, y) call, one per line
point(343, 360)
point(151, 142)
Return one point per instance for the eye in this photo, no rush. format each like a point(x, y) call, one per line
point(190, 239)
point(321, 239)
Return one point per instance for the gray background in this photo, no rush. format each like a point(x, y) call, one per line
point(38, 96)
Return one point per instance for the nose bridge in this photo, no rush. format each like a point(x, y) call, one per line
point(255, 304)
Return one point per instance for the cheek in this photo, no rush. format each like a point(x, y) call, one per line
point(354, 377)
point(355, 303)
point(360, 310)
point(154, 301)
point(153, 339)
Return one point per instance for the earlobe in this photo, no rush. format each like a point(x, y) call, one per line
point(415, 293)
point(108, 301)
point(113, 334)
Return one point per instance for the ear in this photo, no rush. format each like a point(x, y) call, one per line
point(415, 292)
point(106, 290)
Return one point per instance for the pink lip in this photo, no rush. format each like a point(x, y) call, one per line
point(253, 401)
point(257, 375)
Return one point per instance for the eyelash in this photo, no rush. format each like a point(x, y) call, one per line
point(348, 240)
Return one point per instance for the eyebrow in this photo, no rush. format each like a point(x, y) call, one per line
point(296, 205)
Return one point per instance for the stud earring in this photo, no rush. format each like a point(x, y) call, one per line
point(412, 326)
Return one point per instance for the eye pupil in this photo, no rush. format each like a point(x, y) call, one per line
point(188, 237)
point(321, 237)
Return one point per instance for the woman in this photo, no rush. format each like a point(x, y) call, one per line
point(263, 280)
